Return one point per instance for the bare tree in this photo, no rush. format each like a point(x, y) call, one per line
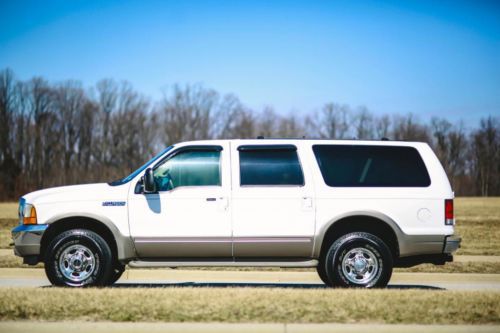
point(332, 122)
point(363, 121)
point(53, 134)
point(409, 129)
point(486, 147)
point(8, 166)
point(187, 113)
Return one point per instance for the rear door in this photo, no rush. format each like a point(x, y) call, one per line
point(272, 201)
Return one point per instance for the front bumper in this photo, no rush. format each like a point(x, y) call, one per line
point(451, 244)
point(27, 239)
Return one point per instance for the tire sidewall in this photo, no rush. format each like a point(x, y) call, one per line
point(88, 239)
point(359, 240)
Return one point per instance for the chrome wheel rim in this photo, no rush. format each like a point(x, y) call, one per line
point(360, 265)
point(77, 263)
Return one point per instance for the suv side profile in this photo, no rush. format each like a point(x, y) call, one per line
point(352, 209)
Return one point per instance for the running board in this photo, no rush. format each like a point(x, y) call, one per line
point(284, 264)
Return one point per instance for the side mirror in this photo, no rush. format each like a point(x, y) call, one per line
point(149, 181)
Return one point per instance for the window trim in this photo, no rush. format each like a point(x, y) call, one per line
point(284, 147)
point(183, 149)
point(318, 163)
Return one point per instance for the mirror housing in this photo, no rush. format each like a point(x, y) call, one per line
point(149, 181)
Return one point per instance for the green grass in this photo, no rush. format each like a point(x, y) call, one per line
point(251, 305)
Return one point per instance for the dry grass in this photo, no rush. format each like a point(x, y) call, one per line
point(6, 226)
point(456, 267)
point(478, 222)
point(251, 305)
point(8, 210)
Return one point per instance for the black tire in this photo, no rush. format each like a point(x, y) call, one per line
point(116, 273)
point(359, 260)
point(85, 255)
point(321, 269)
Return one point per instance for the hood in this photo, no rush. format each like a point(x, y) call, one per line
point(88, 192)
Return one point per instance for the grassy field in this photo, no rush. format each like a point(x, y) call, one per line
point(251, 305)
point(478, 222)
point(8, 210)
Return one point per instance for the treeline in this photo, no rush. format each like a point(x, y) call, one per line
point(55, 134)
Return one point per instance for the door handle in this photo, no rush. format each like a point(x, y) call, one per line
point(211, 199)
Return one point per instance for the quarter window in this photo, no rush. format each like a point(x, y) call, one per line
point(189, 168)
point(371, 166)
point(270, 165)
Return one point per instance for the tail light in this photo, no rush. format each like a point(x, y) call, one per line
point(449, 217)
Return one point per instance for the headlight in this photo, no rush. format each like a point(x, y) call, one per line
point(29, 214)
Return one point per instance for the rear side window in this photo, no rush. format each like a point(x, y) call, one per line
point(371, 166)
point(270, 165)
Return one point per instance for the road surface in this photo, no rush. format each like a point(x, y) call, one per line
point(35, 277)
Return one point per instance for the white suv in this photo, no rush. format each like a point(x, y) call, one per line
point(353, 209)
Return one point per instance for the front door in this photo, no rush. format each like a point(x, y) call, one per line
point(188, 216)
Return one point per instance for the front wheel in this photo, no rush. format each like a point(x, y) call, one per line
point(321, 269)
point(359, 259)
point(77, 258)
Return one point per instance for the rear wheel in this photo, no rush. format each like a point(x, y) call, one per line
point(116, 273)
point(360, 260)
point(77, 258)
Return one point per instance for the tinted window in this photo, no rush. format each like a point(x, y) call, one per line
point(371, 166)
point(189, 168)
point(270, 166)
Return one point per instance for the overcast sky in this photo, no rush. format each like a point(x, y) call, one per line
point(430, 58)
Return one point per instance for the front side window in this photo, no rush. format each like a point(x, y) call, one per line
point(371, 166)
point(189, 168)
point(270, 165)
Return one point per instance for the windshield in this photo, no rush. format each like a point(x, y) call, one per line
point(141, 169)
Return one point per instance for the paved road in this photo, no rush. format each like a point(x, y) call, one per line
point(33, 277)
point(106, 327)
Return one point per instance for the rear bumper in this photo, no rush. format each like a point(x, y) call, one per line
point(451, 244)
point(447, 247)
point(27, 239)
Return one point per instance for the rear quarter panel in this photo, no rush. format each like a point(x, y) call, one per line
point(415, 211)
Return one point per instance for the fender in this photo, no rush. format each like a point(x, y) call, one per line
point(318, 239)
point(124, 244)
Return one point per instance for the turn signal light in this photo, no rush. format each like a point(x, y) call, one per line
point(31, 219)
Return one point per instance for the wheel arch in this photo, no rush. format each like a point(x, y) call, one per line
point(373, 222)
point(121, 246)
